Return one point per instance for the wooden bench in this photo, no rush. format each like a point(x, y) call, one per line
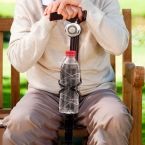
point(132, 83)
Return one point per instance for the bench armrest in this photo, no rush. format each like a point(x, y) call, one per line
point(133, 82)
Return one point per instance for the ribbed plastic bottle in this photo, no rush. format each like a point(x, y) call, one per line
point(69, 82)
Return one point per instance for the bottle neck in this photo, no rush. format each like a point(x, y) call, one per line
point(70, 59)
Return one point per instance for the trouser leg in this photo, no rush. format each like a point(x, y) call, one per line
point(107, 120)
point(34, 121)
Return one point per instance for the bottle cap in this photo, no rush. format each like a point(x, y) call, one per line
point(70, 53)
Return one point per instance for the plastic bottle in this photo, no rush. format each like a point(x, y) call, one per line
point(69, 81)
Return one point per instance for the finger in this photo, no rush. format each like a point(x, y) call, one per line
point(49, 7)
point(75, 11)
point(63, 3)
point(80, 14)
point(73, 2)
point(45, 11)
point(55, 6)
point(61, 7)
point(69, 11)
point(64, 14)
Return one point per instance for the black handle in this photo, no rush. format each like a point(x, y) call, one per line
point(54, 16)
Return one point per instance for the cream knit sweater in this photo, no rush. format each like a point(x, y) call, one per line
point(37, 46)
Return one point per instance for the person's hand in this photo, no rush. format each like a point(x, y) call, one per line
point(69, 11)
point(62, 4)
point(59, 5)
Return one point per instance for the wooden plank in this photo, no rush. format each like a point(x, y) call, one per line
point(15, 86)
point(127, 91)
point(134, 80)
point(1, 134)
point(113, 63)
point(132, 86)
point(137, 116)
point(4, 111)
point(139, 75)
point(127, 85)
point(138, 82)
point(135, 76)
point(127, 55)
point(127, 68)
point(1, 69)
point(5, 24)
point(112, 58)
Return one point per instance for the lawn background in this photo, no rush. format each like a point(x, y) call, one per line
point(138, 11)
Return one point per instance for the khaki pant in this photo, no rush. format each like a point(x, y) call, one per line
point(36, 119)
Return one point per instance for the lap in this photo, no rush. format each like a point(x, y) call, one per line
point(38, 106)
point(101, 104)
point(41, 106)
point(34, 120)
point(39, 109)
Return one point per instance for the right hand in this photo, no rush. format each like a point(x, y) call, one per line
point(69, 11)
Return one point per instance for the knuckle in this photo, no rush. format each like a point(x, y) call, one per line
point(71, 14)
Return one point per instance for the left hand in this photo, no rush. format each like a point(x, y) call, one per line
point(63, 3)
point(68, 12)
point(59, 5)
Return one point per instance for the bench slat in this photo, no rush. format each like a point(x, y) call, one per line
point(5, 24)
point(15, 86)
point(127, 55)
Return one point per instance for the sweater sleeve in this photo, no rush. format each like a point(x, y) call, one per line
point(107, 25)
point(28, 40)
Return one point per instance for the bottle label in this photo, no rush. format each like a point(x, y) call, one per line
point(70, 75)
point(69, 101)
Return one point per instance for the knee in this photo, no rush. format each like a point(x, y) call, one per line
point(119, 117)
point(17, 130)
point(20, 122)
point(121, 122)
point(18, 126)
